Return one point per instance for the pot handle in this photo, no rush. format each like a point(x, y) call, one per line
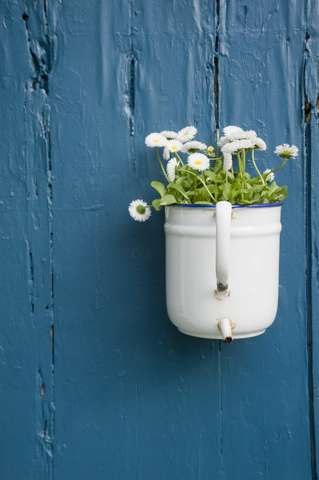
point(223, 221)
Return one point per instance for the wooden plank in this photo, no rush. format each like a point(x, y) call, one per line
point(265, 408)
point(175, 88)
point(93, 246)
point(311, 91)
point(26, 296)
point(145, 398)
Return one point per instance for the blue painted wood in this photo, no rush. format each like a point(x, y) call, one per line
point(95, 380)
point(311, 175)
point(26, 295)
point(265, 380)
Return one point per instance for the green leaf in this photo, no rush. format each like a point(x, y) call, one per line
point(157, 204)
point(179, 188)
point(213, 176)
point(184, 168)
point(203, 203)
point(257, 188)
point(227, 192)
point(218, 166)
point(159, 187)
point(168, 200)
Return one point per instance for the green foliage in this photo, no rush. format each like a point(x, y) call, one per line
point(217, 180)
point(214, 185)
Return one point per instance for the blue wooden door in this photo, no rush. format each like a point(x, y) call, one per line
point(95, 382)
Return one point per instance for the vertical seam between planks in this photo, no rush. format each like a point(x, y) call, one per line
point(216, 94)
point(40, 50)
point(131, 83)
point(308, 212)
point(131, 104)
point(216, 75)
point(50, 224)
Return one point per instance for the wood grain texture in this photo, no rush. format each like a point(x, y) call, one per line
point(95, 381)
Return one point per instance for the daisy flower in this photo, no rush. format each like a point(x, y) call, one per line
point(286, 151)
point(260, 144)
point(155, 140)
point(270, 177)
point(247, 135)
point(233, 147)
point(169, 135)
point(228, 161)
point(171, 169)
point(174, 146)
point(236, 133)
point(198, 161)
point(193, 146)
point(139, 210)
point(186, 134)
point(222, 141)
point(231, 131)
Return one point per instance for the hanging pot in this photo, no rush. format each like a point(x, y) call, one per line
point(222, 268)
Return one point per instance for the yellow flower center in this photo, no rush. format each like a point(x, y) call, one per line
point(156, 140)
point(173, 147)
point(186, 133)
point(198, 162)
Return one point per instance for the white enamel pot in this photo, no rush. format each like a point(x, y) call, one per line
point(222, 268)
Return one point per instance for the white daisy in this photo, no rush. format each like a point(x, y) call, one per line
point(260, 144)
point(186, 134)
point(169, 135)
point(171, 169)
point(232, 131)
point(247, 135)
point(228, 161)
point(286, 151)
point(270, 177)
point(156, 140)
point(174, 145)
point(198, 161)
point(222, 141)
point(139, 210)
point(233, 147)
point(193, 146)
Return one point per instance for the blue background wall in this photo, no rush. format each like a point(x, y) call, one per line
point(95, 382)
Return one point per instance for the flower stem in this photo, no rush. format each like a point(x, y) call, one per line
point(283, 163)
point(178, 158)
point(253, 159)
point(194, 174)
point(160, 161)
point(239, 164)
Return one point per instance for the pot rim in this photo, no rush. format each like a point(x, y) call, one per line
point(255, 205)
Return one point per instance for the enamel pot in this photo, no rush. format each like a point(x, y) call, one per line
point(222, 268)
